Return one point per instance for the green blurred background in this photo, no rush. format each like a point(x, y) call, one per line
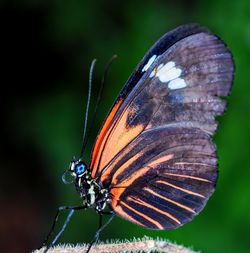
point(47, 47)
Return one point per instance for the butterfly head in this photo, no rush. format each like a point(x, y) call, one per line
point(78, 168)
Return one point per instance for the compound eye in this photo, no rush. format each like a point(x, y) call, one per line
point(80, 168)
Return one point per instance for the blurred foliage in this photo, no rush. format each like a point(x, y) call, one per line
point(46, 52)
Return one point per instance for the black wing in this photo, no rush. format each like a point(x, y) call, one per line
point(155, 150)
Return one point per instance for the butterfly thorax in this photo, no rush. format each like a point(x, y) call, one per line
point(93, 194)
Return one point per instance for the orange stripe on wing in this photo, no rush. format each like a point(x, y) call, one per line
point(169, 200)
point(118, 209)
point(180, 188)
point(141, 202)
point(119, 137)
point(100, 141)
point(187, 176)
point(121, 169)
point(120, 188)
point(108, 170)
point(157, 224)
point(162, 159)
point(188, 163)
point(128, 163)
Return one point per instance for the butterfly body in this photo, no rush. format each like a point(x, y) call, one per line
point(92, 193)
point(154, 162)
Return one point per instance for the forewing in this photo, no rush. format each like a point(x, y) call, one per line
point(203, 70)
point(116, 115)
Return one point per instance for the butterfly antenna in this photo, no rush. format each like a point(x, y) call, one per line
point(87, 106)
point(104, 77)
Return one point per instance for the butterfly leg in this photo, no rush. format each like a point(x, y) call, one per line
point(100, 228)
point(60, 209)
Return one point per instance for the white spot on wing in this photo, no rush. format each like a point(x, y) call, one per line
point(150, 61)
point(177, 83)
point(170, 74)
point(169, 65)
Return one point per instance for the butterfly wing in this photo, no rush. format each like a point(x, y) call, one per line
point(154, 150)
point(165, 178)
point(98, 159)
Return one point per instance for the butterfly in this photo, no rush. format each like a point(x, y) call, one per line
point(154, 162)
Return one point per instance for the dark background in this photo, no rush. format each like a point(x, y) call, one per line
point(46, 50)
